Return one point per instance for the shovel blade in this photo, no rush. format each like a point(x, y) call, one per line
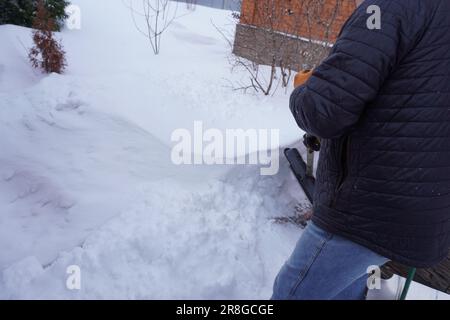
point(299, 169)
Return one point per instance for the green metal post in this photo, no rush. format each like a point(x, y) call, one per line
point(410, 278)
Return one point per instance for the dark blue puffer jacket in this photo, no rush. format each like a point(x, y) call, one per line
point(381, 104)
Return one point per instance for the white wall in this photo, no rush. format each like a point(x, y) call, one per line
point(220, 4)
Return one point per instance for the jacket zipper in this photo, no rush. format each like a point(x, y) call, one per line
point(344, 156)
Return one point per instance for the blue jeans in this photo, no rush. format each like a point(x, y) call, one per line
point(325, 266)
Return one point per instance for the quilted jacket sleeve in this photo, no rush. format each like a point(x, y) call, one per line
point(333, 99)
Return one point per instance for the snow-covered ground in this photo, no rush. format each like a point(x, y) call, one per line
point(86, 177)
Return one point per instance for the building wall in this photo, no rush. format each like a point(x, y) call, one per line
point(312, 19)
point(279, 31)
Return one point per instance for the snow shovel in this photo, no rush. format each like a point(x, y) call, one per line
point(304, 171)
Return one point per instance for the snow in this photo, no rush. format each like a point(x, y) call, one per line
point(392, 289)
point(86, 177)
point(209, 247)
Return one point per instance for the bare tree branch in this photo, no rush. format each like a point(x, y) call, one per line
point(157, 15)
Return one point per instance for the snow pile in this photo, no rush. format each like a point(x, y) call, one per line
point(15, 70)
point(65, 168)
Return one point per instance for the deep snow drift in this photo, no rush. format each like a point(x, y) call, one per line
point(86, 177)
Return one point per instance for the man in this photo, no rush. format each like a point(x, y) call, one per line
point(381, 105)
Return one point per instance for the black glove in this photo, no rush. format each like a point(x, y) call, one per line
point(311, 142)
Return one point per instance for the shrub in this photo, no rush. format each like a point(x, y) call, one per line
point(47, 53)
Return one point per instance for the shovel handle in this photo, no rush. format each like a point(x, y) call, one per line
point(310, 163)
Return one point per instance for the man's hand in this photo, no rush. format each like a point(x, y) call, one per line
point(302, 77)
point(311, 142)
